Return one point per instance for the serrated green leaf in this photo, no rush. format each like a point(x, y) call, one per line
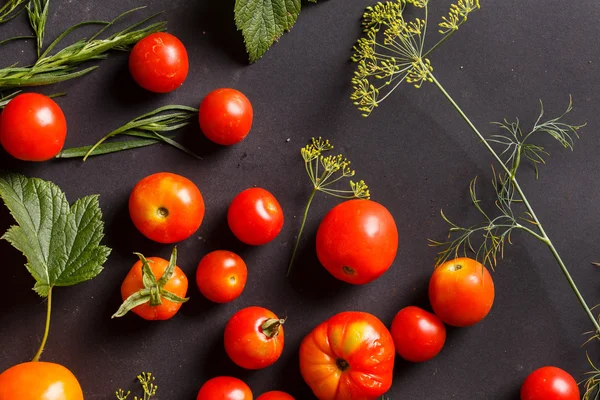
point(61, 242)
point(262, 22)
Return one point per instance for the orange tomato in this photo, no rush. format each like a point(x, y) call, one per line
point(38, 380)
point(221, 276)
point(349, 356)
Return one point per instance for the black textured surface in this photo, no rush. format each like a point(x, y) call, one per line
point(414, 152)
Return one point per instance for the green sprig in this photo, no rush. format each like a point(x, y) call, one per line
point(37, 11)
point(11, 9)
point(146, 379)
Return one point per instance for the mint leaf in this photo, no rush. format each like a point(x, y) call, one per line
point(262, 22)
point(61, 242)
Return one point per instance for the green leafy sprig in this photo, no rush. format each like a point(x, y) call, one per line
point(324, 171)
point(37, 10)
point(11, 9)
point(146, 380)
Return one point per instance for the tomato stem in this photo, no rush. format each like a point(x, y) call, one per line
point(47, 329)
point(310, 199)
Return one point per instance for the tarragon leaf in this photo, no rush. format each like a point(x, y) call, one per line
point(61, 242)
point(262, 22)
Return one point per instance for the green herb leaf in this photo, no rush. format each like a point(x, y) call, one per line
point(262, 22)
point(11, 9)
point(37, 10)
point(61, 242)
point(106, 148)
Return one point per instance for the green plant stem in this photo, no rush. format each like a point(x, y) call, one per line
point(310, 199)
point(543, 236)
point(47, 329)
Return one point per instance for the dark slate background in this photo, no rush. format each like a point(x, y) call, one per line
point(416, 154)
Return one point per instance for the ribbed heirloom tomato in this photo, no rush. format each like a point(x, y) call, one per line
point(39, 380)
point(275, 395)
point(418, 335)
point(224, 388)
point(225, 116)
point(550, 383)
point(166, 207)
point(349, 356)
point(221, 276)
point(357, 241)
point(255, 216)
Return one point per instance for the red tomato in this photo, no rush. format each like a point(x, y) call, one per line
point(221, 276)
point(549, 383)
point(32, 127)
point(133, 283)
point(275, 395)
point(38, 380)
point(224, 388)
point(225, 116)
point(357, 241)
point(254, 338)
point(166, 208)
point(349, 356)
point(255, 217)
point(461, 292)
point(418, 335)
point(159, 62)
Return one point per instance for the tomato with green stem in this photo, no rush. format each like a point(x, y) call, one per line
point(225, 116)
point(255, 216)
point(549, 383)
point(275, 395)
point(225, 388)
point(254, 338)
point(418, 335)
point(149, 297)
point(221, 276)
point(37, 380)
point(32, 127)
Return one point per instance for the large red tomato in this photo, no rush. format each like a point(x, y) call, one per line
point(32, 127)
point(166, 207)
point(221, 276)
point(418, 335)
point(254, 338)
point(224, 388)
point(357, 241)
point(255, 216)
point(159, 62)
point(275, 395)
point(349, 356)
point(461, 292)
point(225, 116)
point(39, 380)
point(549, 383)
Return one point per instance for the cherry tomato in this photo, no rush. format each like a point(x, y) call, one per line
point(221, 276)
point(225, 116)
point(357, 241)
point(159, 62)
point(461, 292)
point(32, 127)
point(166, 208)
point(255, 217)
point(418, 335)
point(254, 338)
point(549, 383)
point(134, 282)
point(275, 395)
point(37, 380)
point(224, 388)
point(349, 356)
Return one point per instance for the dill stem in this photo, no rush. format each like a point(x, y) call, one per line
point(543, 236)
point(310, 199)
point(46, 330)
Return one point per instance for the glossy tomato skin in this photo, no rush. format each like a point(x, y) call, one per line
point(221, 276)
point(357, 241)
point(461, 292)
point(224, 388)
point(166, 207)
point(246, 343)
point(178, 285)
point(349, 356)
point(550, 383)
point(37, 380)
point(159, 62)
point(275, 395)
point(225, 116)
point(32, 127)
point(255, 216)
point(418, 335)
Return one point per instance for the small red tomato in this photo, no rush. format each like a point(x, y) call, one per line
point(461, 292)
point(418, 335)
point(221, 276)
point(225, 116)
point(275, 395)
point(32, 127)
point(39, 380)
point(166, 208)
point(255, 217)
point(159, 62)
point(224, 388)
point(254, 338)
point(549, 383)
point(357, 241)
